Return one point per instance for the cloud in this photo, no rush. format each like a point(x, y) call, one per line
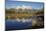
point(23, 7)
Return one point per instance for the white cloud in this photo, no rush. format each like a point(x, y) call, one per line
point(23, 7)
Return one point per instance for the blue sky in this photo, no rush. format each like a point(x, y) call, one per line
point(13, 4)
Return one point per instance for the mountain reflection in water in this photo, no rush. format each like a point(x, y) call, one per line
point(18, 23)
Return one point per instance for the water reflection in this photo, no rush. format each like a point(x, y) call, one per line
point(33, 22)
point(18, 23)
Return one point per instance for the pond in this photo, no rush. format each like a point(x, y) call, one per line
point(20, 24)
point(12, 24)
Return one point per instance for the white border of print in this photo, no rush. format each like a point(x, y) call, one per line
point(2, 15)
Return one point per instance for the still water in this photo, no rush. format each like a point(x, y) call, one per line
point(12, 24)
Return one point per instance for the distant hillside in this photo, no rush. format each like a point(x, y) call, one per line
point(23, 13)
